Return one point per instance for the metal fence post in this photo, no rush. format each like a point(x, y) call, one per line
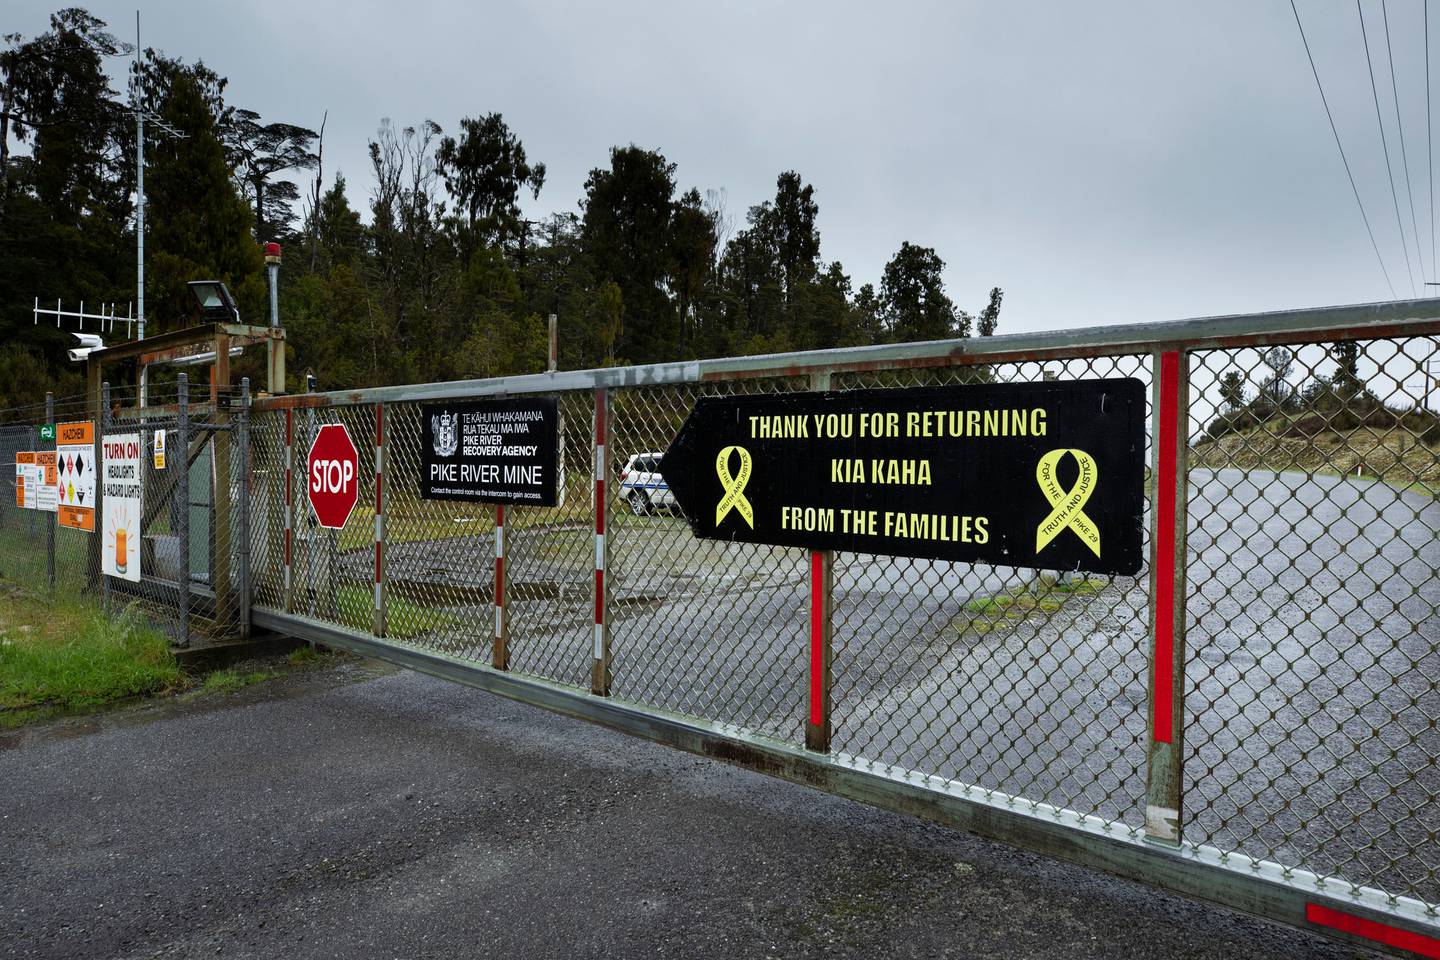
point(182, 496)
point(222, 505)
point(242, 447)
point(95, 404)
point(378, 627)
point(501, 651)
point(600, 661)
point(1164, 789)
point(822, 575)
point(288, 587)
point(50, 527)
point(103, 427)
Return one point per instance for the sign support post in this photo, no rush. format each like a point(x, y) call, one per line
point(242, 447)
point(600, 660)
point(378, 627)
point(501, 650)
point(99, 490)
point(222, 509)
point(97, 412)
point(822, 574)
point(1165, 749)
point(50, 527)
point(182, 503)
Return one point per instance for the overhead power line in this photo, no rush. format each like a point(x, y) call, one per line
point(1404, 154)
point(1384, 144)
point(1358, 202)
point(1429, 138)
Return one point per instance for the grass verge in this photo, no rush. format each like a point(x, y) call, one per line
point(66, 656)
point(231, 679)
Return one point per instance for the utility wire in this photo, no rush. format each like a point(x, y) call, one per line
point(1384, 145)
point(1430, 139)
point(1319, 86)
point(1404, 154)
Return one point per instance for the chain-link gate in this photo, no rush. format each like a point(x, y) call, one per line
point(1250, 719)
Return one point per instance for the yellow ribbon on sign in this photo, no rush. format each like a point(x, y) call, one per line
point(734, 484)
point(1067, 506)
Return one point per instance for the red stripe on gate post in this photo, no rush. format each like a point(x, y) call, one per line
point(817, 637)
point(600, 653)
point(1374, 930)
point(1164, 764)
point(379, 620)
point(287, 598)
point(822, 562)
point(818, 727)
point(1164, 575)
point(501, 649)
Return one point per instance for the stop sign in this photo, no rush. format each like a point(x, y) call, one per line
point(333, 476)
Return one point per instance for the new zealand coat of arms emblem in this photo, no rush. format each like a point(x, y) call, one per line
point(445, 430)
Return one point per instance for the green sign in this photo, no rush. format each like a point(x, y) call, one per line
point(47, 431)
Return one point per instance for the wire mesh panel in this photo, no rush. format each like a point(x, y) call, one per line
point(333, 570)
point(712, 629)
point(551, 560)
point(439, 555)
point(1031, 684)
point(164, 494)
point(35, 552)
point(267, 508)
point(1312, 702)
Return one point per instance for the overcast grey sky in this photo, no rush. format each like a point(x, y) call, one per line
point(1102, 162)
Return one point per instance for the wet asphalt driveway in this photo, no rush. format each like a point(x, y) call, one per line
point(354, 812)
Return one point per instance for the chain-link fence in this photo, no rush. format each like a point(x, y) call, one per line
point(1296, 641)
point(104, 515)
point(35, 552)
point(1312, 697)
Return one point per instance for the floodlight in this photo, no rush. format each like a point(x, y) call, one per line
point(216, 304)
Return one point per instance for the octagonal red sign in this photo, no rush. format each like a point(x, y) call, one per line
point(333, 476)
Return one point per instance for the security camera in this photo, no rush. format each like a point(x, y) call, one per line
point(88, 343)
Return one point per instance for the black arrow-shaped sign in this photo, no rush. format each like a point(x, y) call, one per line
point(1045, 475)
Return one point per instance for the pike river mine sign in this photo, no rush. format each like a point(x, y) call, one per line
point(490, 451)
point(1042, 475)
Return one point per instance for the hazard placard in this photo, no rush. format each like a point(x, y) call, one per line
point(47, 494)
point(159, 455)
point(26, 479)
point(75, 464)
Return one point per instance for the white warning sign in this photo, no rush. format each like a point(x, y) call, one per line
point(121, 474)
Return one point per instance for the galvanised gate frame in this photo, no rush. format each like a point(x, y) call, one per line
point(1282, 763)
